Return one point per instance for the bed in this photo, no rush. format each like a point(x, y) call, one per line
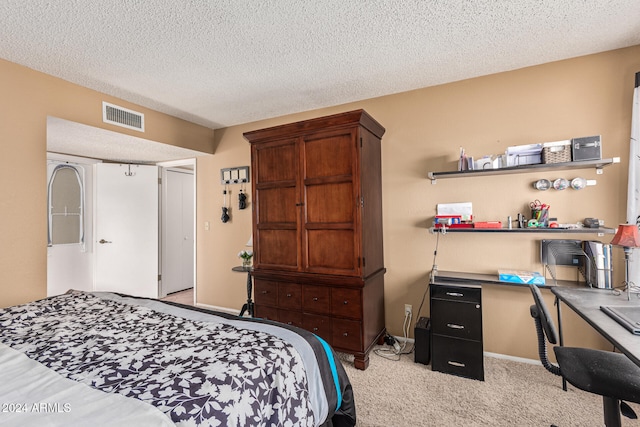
point(98, 358)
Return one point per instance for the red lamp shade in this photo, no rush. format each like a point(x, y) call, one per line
point(627, 236)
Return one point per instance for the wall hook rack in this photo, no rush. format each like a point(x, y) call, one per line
point(236, 175)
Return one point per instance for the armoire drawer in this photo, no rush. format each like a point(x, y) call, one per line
point(265, 292)
point(347, 334)
point(346, 302)
point(319, 325)
point(266, 312)
point(457, 356)
point(288, 317)
point(316, 299)
point(289, 296)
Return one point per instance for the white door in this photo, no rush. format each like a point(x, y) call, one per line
point(70, 266)
point(127, 229)
point(178, 231)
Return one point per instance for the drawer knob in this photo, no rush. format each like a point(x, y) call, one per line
point(289, 323)
point(315, 329)
point(288, 295)
point(315, 298)
point(345, 302)
point(455, 294)
point(456, 364)
point(346, 334)
point(454, 326)
point(265, 292)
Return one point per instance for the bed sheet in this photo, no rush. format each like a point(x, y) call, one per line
point(198, 367)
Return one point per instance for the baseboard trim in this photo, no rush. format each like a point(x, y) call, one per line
point(512, 358)
point(218, 308)
point(487, 354)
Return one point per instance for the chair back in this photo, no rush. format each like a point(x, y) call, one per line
point(545, 329)
point(542, 313)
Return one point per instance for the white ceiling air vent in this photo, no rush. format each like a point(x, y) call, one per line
point(124, 117)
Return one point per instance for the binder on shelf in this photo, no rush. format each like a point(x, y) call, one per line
point(599, 275)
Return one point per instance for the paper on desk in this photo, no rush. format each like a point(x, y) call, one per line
point(464, 209)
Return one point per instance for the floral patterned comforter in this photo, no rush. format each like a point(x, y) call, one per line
point(197, 372)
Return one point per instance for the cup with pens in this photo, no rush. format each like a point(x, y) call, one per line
point(540, 213)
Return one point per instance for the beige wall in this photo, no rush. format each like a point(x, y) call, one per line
point(425, 128)
point(28, 97)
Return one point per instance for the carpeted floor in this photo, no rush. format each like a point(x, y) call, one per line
point(403, 393)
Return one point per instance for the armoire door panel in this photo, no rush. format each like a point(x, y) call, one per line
point(331, 249)
point(330, 203)
point(278, 248)
point(277, 205)
point(277, 163)
point(329, 155)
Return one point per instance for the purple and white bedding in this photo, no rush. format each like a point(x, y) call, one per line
point(104, 358)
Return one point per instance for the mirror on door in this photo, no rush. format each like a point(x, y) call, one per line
point(66, 205)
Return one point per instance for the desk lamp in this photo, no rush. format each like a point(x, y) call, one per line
point(627, 237)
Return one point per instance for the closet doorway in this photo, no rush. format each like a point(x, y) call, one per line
point(177, 218)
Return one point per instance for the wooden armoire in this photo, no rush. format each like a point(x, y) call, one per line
point(317, 229)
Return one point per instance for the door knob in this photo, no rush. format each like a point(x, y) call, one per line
point(104, 241)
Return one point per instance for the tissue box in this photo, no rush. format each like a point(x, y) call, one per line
point(521, 277)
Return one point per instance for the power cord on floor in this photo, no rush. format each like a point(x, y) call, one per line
point(397, 349)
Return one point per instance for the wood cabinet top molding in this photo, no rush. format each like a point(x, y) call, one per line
point(334, 121)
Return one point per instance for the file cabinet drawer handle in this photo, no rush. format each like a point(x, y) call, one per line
point(288, 295)
point(455, 294)
point(454, 326)
point(456, 364)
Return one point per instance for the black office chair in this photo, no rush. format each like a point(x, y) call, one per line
point(610, 375)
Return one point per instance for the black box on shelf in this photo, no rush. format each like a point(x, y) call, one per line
point(422, 336)
point(586, 148)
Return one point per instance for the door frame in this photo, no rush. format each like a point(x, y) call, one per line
point(168, 165)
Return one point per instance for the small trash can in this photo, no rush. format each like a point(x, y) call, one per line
point(422, 337)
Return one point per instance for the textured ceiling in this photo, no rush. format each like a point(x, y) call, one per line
point(225, 62)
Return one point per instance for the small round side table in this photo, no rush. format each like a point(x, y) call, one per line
point(248, 306)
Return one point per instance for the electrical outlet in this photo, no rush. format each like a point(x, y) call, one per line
point(408, 309)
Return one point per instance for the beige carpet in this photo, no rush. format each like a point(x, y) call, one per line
point(404, 393)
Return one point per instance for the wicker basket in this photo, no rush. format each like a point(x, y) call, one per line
point(556, 152)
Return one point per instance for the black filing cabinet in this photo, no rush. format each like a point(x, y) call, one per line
point(456, 330)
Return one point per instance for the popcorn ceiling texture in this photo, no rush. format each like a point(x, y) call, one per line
point(225, 62)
